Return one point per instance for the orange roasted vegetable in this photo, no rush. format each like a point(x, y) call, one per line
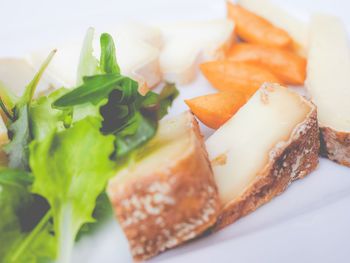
point(289, 67)
point(255, 29)
point(239, 77)
point(215, 109)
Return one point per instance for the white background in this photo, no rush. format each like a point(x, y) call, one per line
point(308, 223)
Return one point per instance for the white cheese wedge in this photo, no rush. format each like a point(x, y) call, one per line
point(268, 143)
point(16, 73)
point(328, 82)
point(186, 44)
point(296, 28)
point(136, 56)
point(168, 195)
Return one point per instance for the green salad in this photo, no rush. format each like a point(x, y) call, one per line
point(63, 149)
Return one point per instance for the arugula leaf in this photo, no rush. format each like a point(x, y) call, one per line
point(108, 60)
point(88, 64)
point(166, 97)
point(73, 177)
point(136, 132)
point(93, 90)
point(17, 149)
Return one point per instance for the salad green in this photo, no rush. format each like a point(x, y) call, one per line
point(63, 149)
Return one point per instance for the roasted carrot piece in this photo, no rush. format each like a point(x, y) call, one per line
point(234, 76)
point(255, 29)
point(215, 109)
point(289, 67)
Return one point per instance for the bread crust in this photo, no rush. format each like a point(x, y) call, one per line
point(335, 145)
point(289, 161)
point(169, 206)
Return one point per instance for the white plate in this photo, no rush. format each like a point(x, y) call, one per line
point(310, 222)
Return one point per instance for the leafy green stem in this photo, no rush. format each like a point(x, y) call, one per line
point(5, 110)
point(35, 232)
point(66, 234)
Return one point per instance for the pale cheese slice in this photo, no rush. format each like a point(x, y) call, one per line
point(328, 82)
point(187, 44)
point(245, 150)
point(16, 74)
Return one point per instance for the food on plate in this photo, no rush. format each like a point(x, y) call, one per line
point(15, 74)
point(137, 56)
point(328, 80)
point(270, 142)
point(63, 148)
point(3, 140)
point(255, 29)
point(289, 67)
point(147, 33)
point(279, 17)
point(168, 195)
point(240, 77)
point(186, 44)
point(215, 109)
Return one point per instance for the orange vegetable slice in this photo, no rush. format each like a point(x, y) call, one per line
point(289, 67)
point(234, 76)
point(255, 29)
point(215, 109)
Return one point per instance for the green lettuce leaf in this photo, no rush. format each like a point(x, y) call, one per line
point(73, 177)
point(88, 64)
point(13, 197)
point(44, 119)
point(17, 246)
point(17, 149)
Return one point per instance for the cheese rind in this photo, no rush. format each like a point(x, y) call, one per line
point(271, 141)
point(328, 81)
point(169, 195)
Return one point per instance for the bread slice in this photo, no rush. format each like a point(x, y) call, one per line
point(270, 142)
point(168, 195)
point(328, 82)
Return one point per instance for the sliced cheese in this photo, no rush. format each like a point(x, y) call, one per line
point(328, 72)
point(186, 44)
point(297, 29)
point(328, 82)
point(246, 140)
point(16, 73)
point(168, 195)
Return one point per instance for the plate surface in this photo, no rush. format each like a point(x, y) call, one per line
point(308, 223)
